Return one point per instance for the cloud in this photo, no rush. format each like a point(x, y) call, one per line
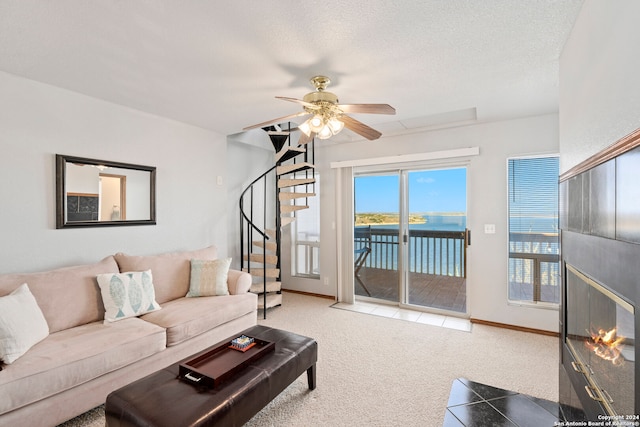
point(425, 180)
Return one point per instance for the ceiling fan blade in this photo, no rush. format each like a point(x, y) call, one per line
point(278, 120)
point(367, 108)
point(359, 127)
point(299, 101)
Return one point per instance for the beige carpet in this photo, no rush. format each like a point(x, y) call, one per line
point(375, 371)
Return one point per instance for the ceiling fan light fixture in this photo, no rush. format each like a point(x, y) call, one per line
point(316, 123)
point(305, 128)
point(325, 132)
point(335, 125)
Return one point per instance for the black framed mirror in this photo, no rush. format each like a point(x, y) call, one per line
point(101, 193)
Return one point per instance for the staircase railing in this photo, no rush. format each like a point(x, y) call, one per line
point(249, 227)
point(259, 201)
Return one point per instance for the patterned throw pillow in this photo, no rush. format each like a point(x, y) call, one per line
point(209, 277)
point(22, 324)
point(127, 294)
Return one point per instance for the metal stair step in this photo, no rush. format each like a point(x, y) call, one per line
point(285, 169)
point(278, 138)
point(289, 153)
point(305, 139)
point(292, 208)
point(272, 301)
point(286, 220)
point(284, 196)
point(262, 258)
point(259, 279)
point(292, 182)
point(270, 246)
point(261, 272)
point(258, 288)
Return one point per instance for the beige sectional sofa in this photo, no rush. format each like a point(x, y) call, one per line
point(84, 357)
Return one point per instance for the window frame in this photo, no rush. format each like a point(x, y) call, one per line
point(315, 246)
point(521, 302)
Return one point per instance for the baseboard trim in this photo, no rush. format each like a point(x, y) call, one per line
point(515, 327)
point(311, 294)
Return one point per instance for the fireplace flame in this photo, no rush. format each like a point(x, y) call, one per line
point(606, 344)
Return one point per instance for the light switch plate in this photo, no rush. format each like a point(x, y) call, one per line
point(489, 229)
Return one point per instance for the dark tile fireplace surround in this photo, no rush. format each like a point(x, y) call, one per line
point(600, 223)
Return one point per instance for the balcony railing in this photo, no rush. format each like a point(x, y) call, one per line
point(430, 251)
point(534, 263)
point(533, 257)
point(307, 258)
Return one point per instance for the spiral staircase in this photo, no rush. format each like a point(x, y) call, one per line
point(268, 205)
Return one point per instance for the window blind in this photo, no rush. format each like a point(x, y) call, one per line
point(533, 230)
point(533, 195)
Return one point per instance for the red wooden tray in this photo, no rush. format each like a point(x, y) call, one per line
point(214, 366)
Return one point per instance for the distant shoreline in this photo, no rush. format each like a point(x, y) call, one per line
point(414, 214)
point(377, 218)
point(387, 223)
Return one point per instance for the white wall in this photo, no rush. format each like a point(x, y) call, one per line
point(599, 80)
point(38, 121)
point(487, 204)
point(249, 159)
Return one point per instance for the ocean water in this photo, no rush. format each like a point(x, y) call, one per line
point(442, 222)
point(427, 255)
point(524, 224)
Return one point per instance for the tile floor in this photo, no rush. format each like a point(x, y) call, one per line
point(408, 315)
point(427, 290)
point(474, 404)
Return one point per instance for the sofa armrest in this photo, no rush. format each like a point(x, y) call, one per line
point(239, 282)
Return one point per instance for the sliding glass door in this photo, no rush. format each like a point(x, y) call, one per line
point(410, 237)
point(436, 239)
point(376, 236)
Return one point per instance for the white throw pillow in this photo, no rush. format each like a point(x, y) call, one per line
point(209, 277)
point(127, 294)
point(22, 324)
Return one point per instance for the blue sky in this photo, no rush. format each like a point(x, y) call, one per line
point(429, 191)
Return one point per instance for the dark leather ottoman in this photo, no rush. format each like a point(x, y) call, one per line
point(162, 400)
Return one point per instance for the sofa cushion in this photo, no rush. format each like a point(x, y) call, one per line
point(171, 271)
point(239, 282)
point(209, 277)
point(187, 317)
point(67, 358)
point(22, 324)
point(127, 294)
point(67, 296)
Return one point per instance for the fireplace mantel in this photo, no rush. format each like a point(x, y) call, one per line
point(624, 144)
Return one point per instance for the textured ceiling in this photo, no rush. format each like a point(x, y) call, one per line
point(218, 65)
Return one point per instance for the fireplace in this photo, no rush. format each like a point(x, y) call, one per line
point(600, 249)
point(600, 335)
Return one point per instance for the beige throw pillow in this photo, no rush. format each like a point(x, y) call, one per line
point(22, 324)
point(127, 294)
point(209, 278)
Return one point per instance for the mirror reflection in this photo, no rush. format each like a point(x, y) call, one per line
point(93, 192)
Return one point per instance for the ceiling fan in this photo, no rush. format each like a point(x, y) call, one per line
point(328, 117)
